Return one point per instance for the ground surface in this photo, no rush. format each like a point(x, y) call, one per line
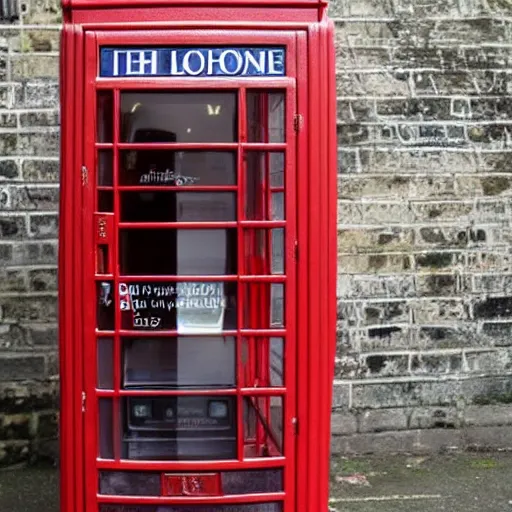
point(454, 483)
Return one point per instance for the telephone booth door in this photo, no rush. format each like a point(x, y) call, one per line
point(190, 260)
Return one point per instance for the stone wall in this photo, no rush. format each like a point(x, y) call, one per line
point(425, 272)
point(29, 174)
point(425, 276)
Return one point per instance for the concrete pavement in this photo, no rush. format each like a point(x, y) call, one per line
point(473, 482)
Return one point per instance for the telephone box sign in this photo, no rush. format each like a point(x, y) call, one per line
point(192, 62)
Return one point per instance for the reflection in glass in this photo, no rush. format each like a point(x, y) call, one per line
point(129, 483)
point(179, 428)
point(105, 358)
point(277, 305)
point(155, 167)
point(277, 259)
point(276, 362)
point(188, 307)
point(178, 251)
point(263, 426)
point(182, 362)
point(264, 305)
point(262, 168)
point(178, 206)
point(106, 440)
point(264, 251)
point(105, 305)
point(263, 362)
point(252, 481)
point(265, 116)
point(276, 169)
point(178, 117)
point(277, 206)
point(201, 307)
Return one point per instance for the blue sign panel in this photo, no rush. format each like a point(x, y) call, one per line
point(192, 62)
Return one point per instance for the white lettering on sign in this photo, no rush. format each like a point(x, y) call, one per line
point(142, 62)
point(193, 62)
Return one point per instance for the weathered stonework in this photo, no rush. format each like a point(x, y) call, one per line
point(29, 121)
point(424, 191)
point(424, 357)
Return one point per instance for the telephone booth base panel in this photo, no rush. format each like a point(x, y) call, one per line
point(197, 257)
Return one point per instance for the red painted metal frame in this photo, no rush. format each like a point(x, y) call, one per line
point(303, 22)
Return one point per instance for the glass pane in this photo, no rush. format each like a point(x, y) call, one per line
point(105, 168)
point(105, 117)
point(178, 117)
point(106, 440)
point(264, 305)
point(183, 362)
point(277, 305)
point(263, 426)
point(262, 362)
point(105, 201)
point(179, 428)
point(178, 206)
point(276, 362)
point(265, 116)
point(156, 167)
point(277, 206)
point(188, 307)
point(102, 259)
point(105, 305)
point(277, 262)
point(276, 169)
point(129, 483)
point(264, 251)
point(253, 507)
point(264, 170)
point(257, 481)
point(178, 252)
point(105, 363)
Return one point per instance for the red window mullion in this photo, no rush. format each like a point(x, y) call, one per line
point(177, 225)
point(183, 278)
point(167, 392)
point(265, 310)
point(174, 500)
point(196, 146)
point(175, 188)
point(244, 332)
point(241, 169)
point(194, 465)
point(260, 256)
point(177, 146)
point(116, 427)
point(177, 279)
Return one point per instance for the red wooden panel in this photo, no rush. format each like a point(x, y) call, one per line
point(192, 484)
point(310, 225)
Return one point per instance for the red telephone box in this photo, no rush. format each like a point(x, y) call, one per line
point(197, 255)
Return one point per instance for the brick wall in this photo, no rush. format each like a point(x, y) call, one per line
point(425, 276)
point(29, 174)
point(425, 272)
